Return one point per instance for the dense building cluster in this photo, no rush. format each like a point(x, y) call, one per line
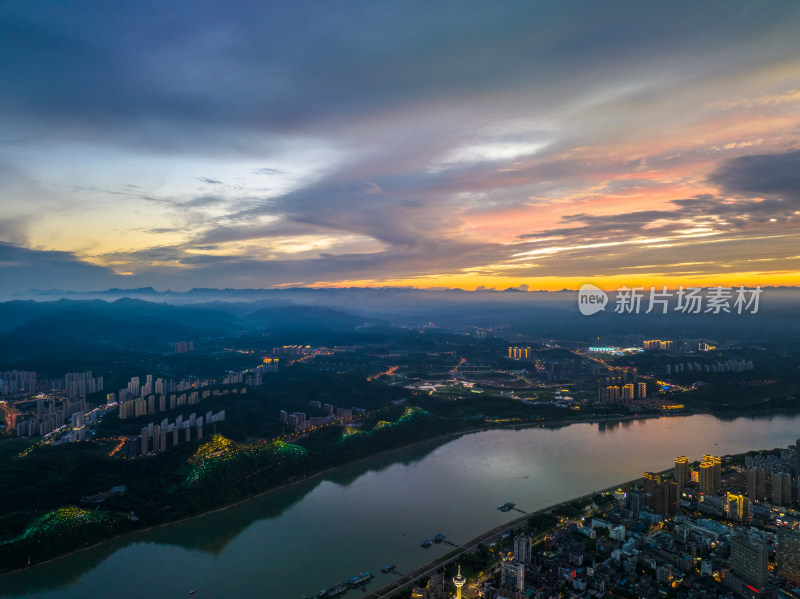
point(331, 414)
point(153, 404)
point(726, 366)
point(711, 532)
point(49, 417)
point(14, 382)
point(81, 384)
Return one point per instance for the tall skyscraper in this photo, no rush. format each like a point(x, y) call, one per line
point(657, 344)
point(157, 448)
point(17, 381)
point(789, 555)
point(627, 393)
point(670, 497)
point(651, 482)
point(748, 562)
point(682, 471)
point(797, 459)
point(737, 507)
point(519, 353)
point(522, 549)
point(512, 575)
point(147, 388)
point(651, 479)
point(635, 502)
point(710, 474)
point(781, 488)
point(705, 477)
point(756, 484)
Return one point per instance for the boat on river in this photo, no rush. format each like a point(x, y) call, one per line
point(360, 579)
point(333, 591)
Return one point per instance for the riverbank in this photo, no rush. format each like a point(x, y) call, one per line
point(439, 439)
point(249, 498)
point(489, 537)
point(363, 517)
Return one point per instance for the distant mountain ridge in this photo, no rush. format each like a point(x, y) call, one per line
point(156, 319)
point(250, 291)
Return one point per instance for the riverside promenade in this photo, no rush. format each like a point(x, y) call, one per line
point(408, 580)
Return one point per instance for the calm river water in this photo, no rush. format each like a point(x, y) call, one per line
point(293, 541)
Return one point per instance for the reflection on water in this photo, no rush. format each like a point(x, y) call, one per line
point(360, 517)
point(210, 532)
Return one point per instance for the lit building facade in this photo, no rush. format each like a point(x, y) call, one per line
point(682, 471)
point(789, 555)
point(710, 474)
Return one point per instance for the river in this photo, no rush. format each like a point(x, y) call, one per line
point(291, 542)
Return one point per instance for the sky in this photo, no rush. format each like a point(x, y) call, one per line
point(254, 144)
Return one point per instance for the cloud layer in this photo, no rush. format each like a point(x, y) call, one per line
point(261, 144)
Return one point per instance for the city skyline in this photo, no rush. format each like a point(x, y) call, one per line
point(458, 145)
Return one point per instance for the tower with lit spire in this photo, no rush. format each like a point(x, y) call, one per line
point(459, 582)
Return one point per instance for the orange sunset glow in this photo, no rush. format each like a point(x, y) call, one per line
point(536, 150)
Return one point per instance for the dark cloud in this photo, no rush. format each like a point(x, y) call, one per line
point(411, 235)
point(201, 201)
point(178, 266)
point(394, 125)
point(417, 217)
point(359, 207)
point(207, 72)
point(269, 171)
point(775, 177)
point(15, 230)
point(761, 175)
point(743, 231)
point(590, 227)
point(22, 269)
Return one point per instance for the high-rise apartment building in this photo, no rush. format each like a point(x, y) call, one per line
point(512, 575)
point(519, 353)
point(610, 394)
point(145, 438)
point(781, 488)
point(635, 501)
point(737, 507)
point(710, 474)
point(651, 482)
point(756, 484)
point(682, 471)
point(748, 564)
point(522, 549)
point(797, 459)
point(789, 555)
point(17, 381)
point(657, 344)
point(627, 393)
point(133, 386)
point(79, 384)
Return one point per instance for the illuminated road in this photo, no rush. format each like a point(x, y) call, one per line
point(10, 413)
point(456, 367)
point(388, 372)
